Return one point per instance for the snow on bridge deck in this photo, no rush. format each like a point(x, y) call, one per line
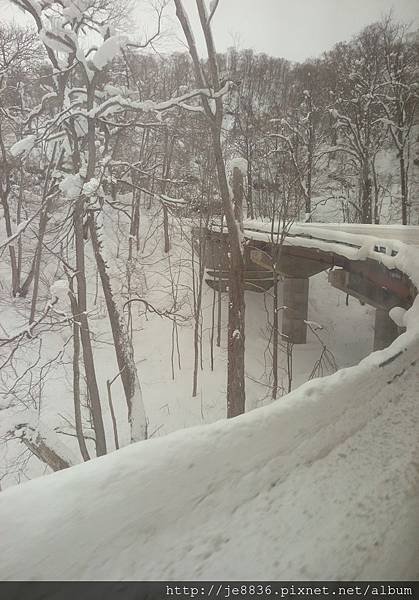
point(384, 247)
point(322, 484)
point(345, 234)
point(402, 233)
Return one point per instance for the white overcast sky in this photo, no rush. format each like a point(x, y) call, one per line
point(293, 29)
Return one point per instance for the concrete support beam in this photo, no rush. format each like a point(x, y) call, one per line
point(295, 298)
point(385, 329)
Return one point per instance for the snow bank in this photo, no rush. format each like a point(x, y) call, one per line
point(322, 484)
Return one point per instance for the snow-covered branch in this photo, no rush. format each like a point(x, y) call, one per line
point(19, 230)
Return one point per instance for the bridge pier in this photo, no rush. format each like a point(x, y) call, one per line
point(295, 298)
point(385, 329)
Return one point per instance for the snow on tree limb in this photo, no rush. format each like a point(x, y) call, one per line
point(39, 439)
point(23, 146)
point(59, 40)
point(19, 230)
point(116, 103)
point(28, 330)
point(109, 50)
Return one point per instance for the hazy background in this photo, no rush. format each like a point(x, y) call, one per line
point(293, 29)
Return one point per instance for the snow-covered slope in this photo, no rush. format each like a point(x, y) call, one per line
point(322, 484)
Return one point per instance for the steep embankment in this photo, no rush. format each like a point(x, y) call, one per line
point(322, 484)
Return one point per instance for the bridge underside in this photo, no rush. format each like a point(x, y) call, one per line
point(367, 280)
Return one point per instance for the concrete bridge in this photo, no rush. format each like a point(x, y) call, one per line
point(358, 258)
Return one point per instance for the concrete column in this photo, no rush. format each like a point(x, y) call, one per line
point(385, 329)
point(295, 298)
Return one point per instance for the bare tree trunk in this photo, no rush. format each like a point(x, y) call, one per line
point(38, 255)
point(123, 346)
point(290, 348)
point(377, 207)
point(83, 324)
point(219, 298)
point(34, 272)
point(403, 187)
point(212, 330)
point(24, 288)
point(196, 322)
point(236, 313)
point(40, 448)
point(135, 226)
point(275, 337)
point(134, 237)
point(250, 208)
point(5, 186)
point(198, 303)
point(366, 192)
point(114, 424)
point(310, 159)
point(76, 376)
point(235, 370)
point(236, 397)
point(168, 151)
point(214, 115)
point(238, 194)
point(12, 251)
point(82, 318)
point(166, 228)
point(18, 221)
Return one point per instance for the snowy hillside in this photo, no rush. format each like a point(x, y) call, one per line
point(321, 484)
point(209, 275)
point(166, 387)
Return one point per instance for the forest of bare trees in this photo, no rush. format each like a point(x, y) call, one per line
point(112, 154)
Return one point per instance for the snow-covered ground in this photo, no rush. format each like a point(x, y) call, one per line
point(168, 401)
point(322, 484)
